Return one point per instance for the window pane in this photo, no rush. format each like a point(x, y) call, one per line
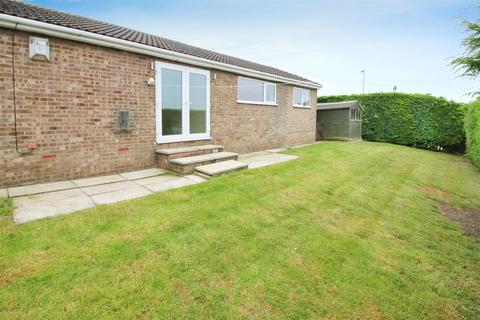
point(123, 116)
point(250, 90)
point(305, 97)
point(297, 96)
point(198, 103)
point(171, 101)
point(270, 93)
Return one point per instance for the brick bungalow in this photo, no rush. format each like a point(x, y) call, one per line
point(80, 97)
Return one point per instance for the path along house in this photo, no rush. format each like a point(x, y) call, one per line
point(80, 97)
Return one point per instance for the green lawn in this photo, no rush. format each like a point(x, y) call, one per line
point(349, 230)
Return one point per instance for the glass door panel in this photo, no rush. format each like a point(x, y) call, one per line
point(172, 101)
point(198, 102)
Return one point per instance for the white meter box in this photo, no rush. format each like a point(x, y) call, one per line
point(39, 48)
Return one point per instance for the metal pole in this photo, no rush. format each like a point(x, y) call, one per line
point(363, 84)
point(363, 87)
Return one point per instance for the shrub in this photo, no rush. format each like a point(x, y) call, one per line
point(472, 131)
point(417, 120)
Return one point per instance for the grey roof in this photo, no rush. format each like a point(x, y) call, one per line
point(33, 12)
point(338, 105)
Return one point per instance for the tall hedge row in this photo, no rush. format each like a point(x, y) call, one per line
point(472, 131)
point(418, 120)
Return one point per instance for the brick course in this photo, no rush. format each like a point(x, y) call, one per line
point(66, 107)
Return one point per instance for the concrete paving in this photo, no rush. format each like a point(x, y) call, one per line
point(158, 179)
point(303, 145)
point(3, 193)
point(98, 180)
point(50, 204)
point(255, 154)
point(261, 160)
point(50, 199)
point(178, 182)
point(131, 192)
point(40, 188)
point(277, 150)
point(194, 178)
point(135, 175)
point(109, 187)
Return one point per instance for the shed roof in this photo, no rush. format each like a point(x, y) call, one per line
point(54, 17)
point(338, 105)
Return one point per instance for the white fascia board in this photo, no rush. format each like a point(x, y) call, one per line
point(23, 24)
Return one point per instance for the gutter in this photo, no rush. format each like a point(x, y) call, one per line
point(28, 25)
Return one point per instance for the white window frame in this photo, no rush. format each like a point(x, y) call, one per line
point(264, 102)
point(301, 105)
point(185, 135)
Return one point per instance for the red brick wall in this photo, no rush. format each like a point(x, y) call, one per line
point(66, 107)
point(301, 121)
point(245, 127)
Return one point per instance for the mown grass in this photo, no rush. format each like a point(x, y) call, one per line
point(349, 230)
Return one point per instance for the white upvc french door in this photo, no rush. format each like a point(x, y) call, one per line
point(182, 103)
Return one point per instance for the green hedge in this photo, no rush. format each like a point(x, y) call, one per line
point(417, 120)
point(472, 130)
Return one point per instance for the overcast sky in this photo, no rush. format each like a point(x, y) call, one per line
point(405, 43)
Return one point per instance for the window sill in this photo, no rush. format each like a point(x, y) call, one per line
point(301, 107)
point(258, 103)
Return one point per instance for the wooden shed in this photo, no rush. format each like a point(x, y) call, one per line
point(339, 120)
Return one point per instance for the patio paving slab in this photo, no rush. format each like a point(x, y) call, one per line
point(302, 145)
point(254, 155)
point(50, 204)
point(3, 193)
point(40, 188)
point(258, 161)
point(140, 174)
point(98, 180)
point(158, 179)
point(276, 150)
point(194, 178)
point(170, 184)
point(109, 187)
point(120, 195)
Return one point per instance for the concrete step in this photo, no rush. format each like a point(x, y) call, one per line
point(218, 168)
point(164, 155)
point(204, 157)
point(186, 165)
point(207, 147)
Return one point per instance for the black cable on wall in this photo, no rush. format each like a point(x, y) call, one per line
point(15, 96)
